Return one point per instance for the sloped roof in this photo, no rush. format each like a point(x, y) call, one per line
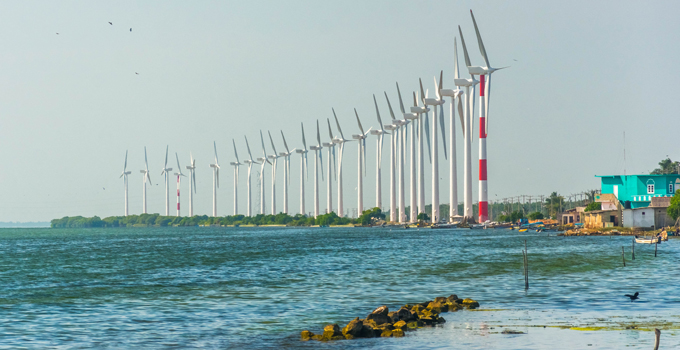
point(660, 202)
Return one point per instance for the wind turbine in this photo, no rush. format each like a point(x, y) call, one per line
point(361, 139)
point(331, 150)
point(421, 164)
point(303, 166)
point(274, 157)
point(216, 180)
point(453, 171)
point(178, 174)
point(411, 117)
point(165, 172)
point(286, 173)
point(393, 181)
point(484, 97)
point(250, 163)
point(400, 125)
point(341, 142)
point(435, 102)
point(469, 85)
point(235, 164)
point(192, 174)
point(125, 182)
point(145, 177)
point(317, 158)
point(263, 161)
point(378, 170)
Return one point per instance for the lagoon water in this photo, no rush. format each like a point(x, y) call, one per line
point(252, 288)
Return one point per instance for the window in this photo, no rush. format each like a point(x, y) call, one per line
point(670, 188)
point(650, 189)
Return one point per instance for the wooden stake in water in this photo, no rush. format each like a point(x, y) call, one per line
point(657, 336)
point(633, 248)
point(623, 256)
point(526, 266)
point(655, 245)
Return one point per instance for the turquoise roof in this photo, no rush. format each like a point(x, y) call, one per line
point(639, 189)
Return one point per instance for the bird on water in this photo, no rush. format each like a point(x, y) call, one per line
point(634, 296)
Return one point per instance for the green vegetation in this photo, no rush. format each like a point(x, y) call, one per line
point(423, 217)
point(204, 220)
point(674, 209)
point(537, 215)
point(666, 166)
point(513, 217)
point(369, 217)
point(594, 206)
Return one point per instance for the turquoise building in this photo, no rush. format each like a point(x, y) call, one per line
point(639, 189)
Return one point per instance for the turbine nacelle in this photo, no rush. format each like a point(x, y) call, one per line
point(450, 92)
point(465, 82)
point(315, 148)
point(433, 101)
point(300, 151)
point(410, 115)
point(328, 144)
point(419, 110)
point(262, 159)
point(390, 127)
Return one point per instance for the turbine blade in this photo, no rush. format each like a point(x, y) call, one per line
point(125, 166)
point(401, 103)
point(455, 58)
point(415, 100)
point(285, 144)
point(338, 124)
point(482, 50)
point(422, 92)
point(436, 89)
point(264, 150)
point(304, 142)
point(359, 121)
point(487, 97)
point(441, 82)
point(178, 166)
point(465, 52)
point(335, 167)
point(319, 153)
point(318, 134)
point(330, 132)
point(272, 141)
point(146, 161)
point(427, 135)
point(166, 156)
point(217, 174)
point(389, 105)
point(193, 179)
point(215, 147)
point(248, 148)
point(460, 113)
point(364, 160)
point(443, 129)
point(233, 142)
point(377, 112)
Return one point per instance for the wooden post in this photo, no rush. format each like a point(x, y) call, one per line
point(655, 245)
point(623, 256)
point(526, 266)
point(657, 335)
point(633, 248)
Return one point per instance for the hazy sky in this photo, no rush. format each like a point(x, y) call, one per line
point(582, 74)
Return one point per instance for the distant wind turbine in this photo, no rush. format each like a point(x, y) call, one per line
point(165, 172)
point(361, 139)
point(145, 177)
point(341, 142)
point(435, 102)
point(125, 182)
point(179, 175)
point(378, 169)
point(286, 172)
point(303, 166)
point(216, 180)
point(317, 158)
point(412, 117)
point(250, 161)
point(192, 184)
point(331, 151)
point(263, 160)
point(399, 151)
point(275, 158)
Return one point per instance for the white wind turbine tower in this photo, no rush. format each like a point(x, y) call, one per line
point(317, 158)
point(400, 125)
point(145, 176)
point(250, 163)
point(421, 161)
point(216, 179)
point(286, 172)
point(435, 149)
point(192, 185)
point(411, 117)
point(165, 172)
point(341, 142)
point(469, 85)
point(178, 174)
point(393, 181)
point(361, 139)
point(274, 157)
point(331, 150)
point(484, 97)
point(263, 161)
point(453, 170)
point(303, 166)
point(125, 182)
point(378, 170)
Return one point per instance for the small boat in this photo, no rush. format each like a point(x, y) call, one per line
point(647, 240)
point(523, 230)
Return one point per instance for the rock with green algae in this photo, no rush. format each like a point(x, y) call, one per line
point(397, 333)
point(353, 328)
point(401, 325)
point(386, 333)
point(415, 324)
point(437, 307)
point(332, 331)
point(306, 335)
point(470, 304)
point(380, 315)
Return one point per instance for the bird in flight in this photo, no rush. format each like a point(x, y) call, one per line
point(130, 29)
point(136, 73)
point(111, 23)
point(634, 296)
point(57, 33)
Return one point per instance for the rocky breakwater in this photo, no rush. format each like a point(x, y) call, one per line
point(385, 323)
